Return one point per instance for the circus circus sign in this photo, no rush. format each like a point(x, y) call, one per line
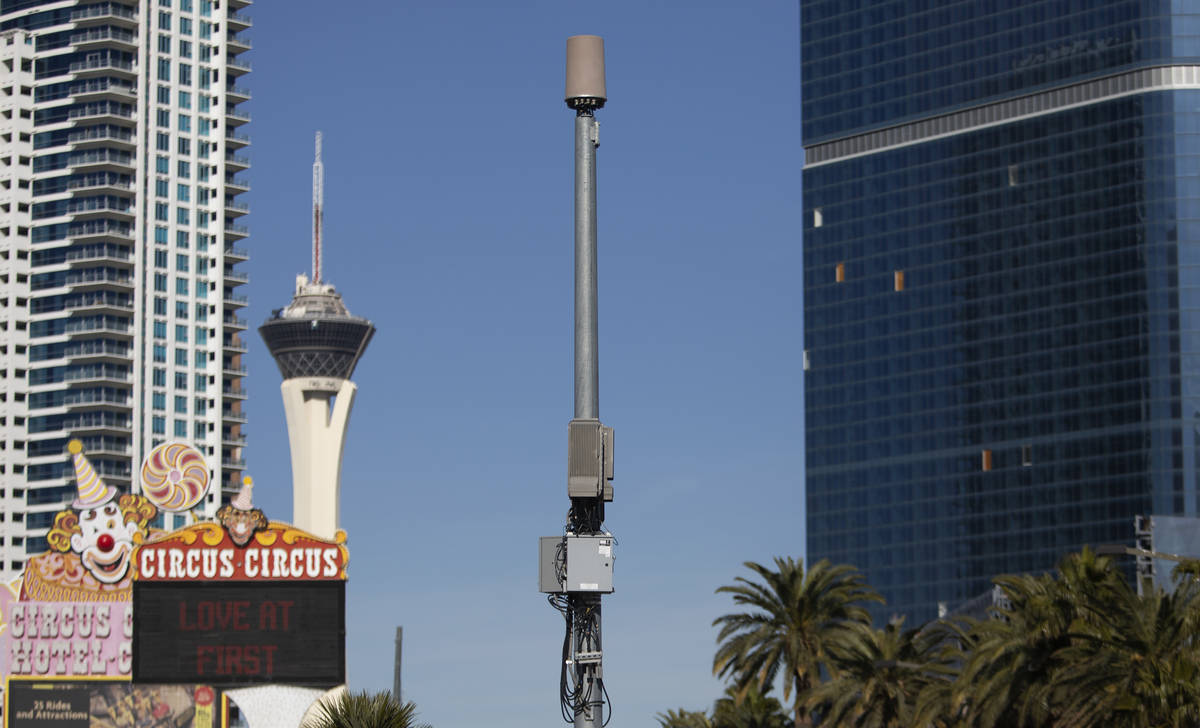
point(273, 552)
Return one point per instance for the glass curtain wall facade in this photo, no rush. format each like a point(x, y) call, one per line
point(1001, 284)
point(118, 205)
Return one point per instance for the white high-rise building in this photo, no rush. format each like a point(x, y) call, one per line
point(119, 163)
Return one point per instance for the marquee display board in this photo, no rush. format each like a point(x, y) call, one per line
point(240, 633)
point(108, 704)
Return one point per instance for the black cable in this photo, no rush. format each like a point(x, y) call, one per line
point(608, 702)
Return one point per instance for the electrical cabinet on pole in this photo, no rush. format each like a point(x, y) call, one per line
point(576, 568)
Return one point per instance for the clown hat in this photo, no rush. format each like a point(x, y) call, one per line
point(242, 501)
point(93, 491)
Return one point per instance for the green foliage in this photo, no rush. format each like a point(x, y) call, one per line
point(795, 619)
point(361, 710)
point(684, 719)
point(754, 710)
point(1075, 649)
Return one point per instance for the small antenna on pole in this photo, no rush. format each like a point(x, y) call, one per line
point(318, 210)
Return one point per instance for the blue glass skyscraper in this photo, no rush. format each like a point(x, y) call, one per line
point(1001, 283)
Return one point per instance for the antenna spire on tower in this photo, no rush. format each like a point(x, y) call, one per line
point(318, 210)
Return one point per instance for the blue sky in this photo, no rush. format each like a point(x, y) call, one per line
point(448, 155)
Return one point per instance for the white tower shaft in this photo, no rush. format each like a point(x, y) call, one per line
point(318, 413)
point(318, 210)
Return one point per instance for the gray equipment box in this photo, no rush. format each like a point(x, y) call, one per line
point(590, 564)
point(549, 548)
point(589, 460)
point(586, 563)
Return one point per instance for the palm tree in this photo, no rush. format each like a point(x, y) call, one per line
point(684, 719)
point(361, 710)
point(1135, 666)
point(1009, 678)
point(879, 676)
point(795, 618)
point(752, 710)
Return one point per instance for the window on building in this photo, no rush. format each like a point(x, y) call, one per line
point(181, 286)
point(160, 306)
point(158, 425)
point(201, 312)
point(1013, 175)
point(201, 336)
point(164, 69)
point(185, 49)
point(185, 170)
point(200, 406)
point(160, 235)
point(898, 280)
point(181, 405)
point(160, 329)
point(159, 401)
point(201, 382)
point(160, 282)
point(161, 211)
point(201, 430)
point(986, 460)
point(183, 193)
point(180, 428)
point(160, 377)
point(164, 21)
point(181, 262)
point(160, 353)
point(161, 188)
point(181, 380)
point(181, 215)
point(840, 273)
point(164, 44)
point(185, 123)
point(818, 217)
point(185, 26)
point(181, 334)
point(163, 118)
point(185, 74)
point(181, 310)
point(181, 357)
point(181, 238)
point(160, 259)
point(163, 142)
point(162, 165)
point(201, 359)
point(164, 92)
point(1027, 455)
point(185, 146)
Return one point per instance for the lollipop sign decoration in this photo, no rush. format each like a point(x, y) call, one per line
point(175, 477)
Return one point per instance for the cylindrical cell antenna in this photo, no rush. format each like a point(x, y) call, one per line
point(585, 72)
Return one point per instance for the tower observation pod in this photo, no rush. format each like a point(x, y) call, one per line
point(317, 343)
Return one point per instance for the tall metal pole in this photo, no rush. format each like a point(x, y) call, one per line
point(396, 667)
point(586, 92)
point(587, 354)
